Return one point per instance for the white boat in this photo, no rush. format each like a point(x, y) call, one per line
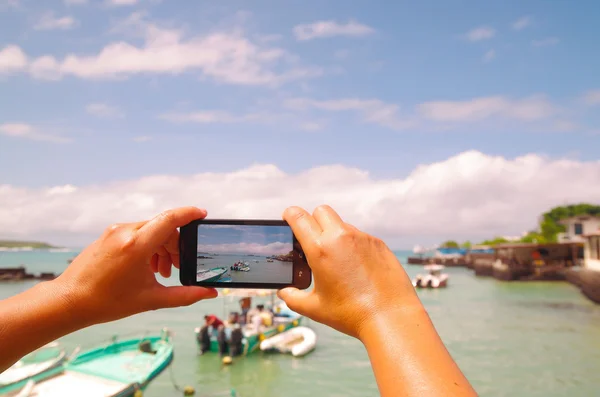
point(434, 279)
point(298, 341)
point(42, 360)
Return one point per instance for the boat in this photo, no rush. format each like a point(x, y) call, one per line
point(434, 279)
point(298, 341)
point(240, 267)
point(210, 274)
point(121, 368)
point(284, 319)
point(269, 260)
point(41, 360)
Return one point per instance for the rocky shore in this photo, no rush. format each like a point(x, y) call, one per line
point(289, 257)
point(20, 273)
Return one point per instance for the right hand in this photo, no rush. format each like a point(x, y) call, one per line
point(357, 278)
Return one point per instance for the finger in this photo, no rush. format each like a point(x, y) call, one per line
point(164, 262)
point(305, 227)
point(167, 297)
point(154, 263)
point(172, 248)
point(327, 218)
point(302, 302)
point(156, 232)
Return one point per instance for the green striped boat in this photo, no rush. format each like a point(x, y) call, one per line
point(119, 369)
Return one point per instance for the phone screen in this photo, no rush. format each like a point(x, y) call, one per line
point(244, 254)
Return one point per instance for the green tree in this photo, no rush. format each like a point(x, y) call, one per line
point(466, 244)
point(450, 244)
point(495, 241)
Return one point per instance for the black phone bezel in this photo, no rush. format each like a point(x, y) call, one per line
point(188, 248)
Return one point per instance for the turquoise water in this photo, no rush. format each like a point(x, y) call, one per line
point(525, 339)
point(260, 270)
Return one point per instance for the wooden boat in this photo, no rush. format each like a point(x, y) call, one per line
point(210, 274)
point(119, 369)
point(434, 278)
point(283, 320)
point(298, 341)
point(43, 359)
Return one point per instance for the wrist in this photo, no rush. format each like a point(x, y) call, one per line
point(67, 300)
point(394, 321)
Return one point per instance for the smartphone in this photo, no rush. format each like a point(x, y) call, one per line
point(227, 253)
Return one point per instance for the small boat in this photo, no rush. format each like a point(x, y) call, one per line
point(210, 274)
point(119, 369)
point(298, 341)
point(434, 278)
point(269, 260)
point(43, 359)
point(240, 267)
point(256, 261)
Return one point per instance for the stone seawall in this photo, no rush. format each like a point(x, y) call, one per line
point(588, 282)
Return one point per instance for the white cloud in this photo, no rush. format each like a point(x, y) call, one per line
point(50, 22)
point(547, 42)
point(590, 98)
point(12, 59)
point(217, 117)
point(331, 28)
point(120, 3)
point(276, 248)
point(468, 196)
point(371, 110)
point(478, 109)
point(103, 110)
point(480, 33)
point(27, 131)
point(226, 57)
point(521, 23)
point(489, 56)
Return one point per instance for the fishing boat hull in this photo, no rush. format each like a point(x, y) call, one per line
point(430, 281)
point(40, 361)
point(211, 275)
point(116, 370)
point(297, 341)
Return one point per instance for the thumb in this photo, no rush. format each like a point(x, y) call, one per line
point(302, 302)
point(167, 297)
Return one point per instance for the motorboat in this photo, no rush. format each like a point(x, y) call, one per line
point(297, 341)
point(240, 267)
point(433, 279)
point(122, 368)
point(213, 274)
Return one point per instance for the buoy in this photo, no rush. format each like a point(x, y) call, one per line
point(261, 337)
point(280, 327)
point(227, 360)
point(138, 393)
point(295, 322)
point(189, 391)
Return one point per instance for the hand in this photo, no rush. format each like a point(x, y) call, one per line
point(356, 276)
point(114, 277)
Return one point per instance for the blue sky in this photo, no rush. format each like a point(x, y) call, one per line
point(416, 120)
point(209, 234)
point(412, 53)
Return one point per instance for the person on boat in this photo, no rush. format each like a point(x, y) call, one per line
point(362, 291)
point(245, 306)
point(213, 321)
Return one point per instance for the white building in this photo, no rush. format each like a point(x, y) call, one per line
point(592, 251)
point(578, 226)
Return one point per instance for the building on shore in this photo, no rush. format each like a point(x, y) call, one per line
point(577, 227)
point(592, 251)
point(526, 261)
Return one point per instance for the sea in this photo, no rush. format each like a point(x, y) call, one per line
point(510, 339)
point(260, 269)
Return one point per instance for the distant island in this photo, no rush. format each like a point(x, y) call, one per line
point(25, 244)
point(289, 257)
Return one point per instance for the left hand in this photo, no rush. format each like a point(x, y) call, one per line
point(114, 277)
